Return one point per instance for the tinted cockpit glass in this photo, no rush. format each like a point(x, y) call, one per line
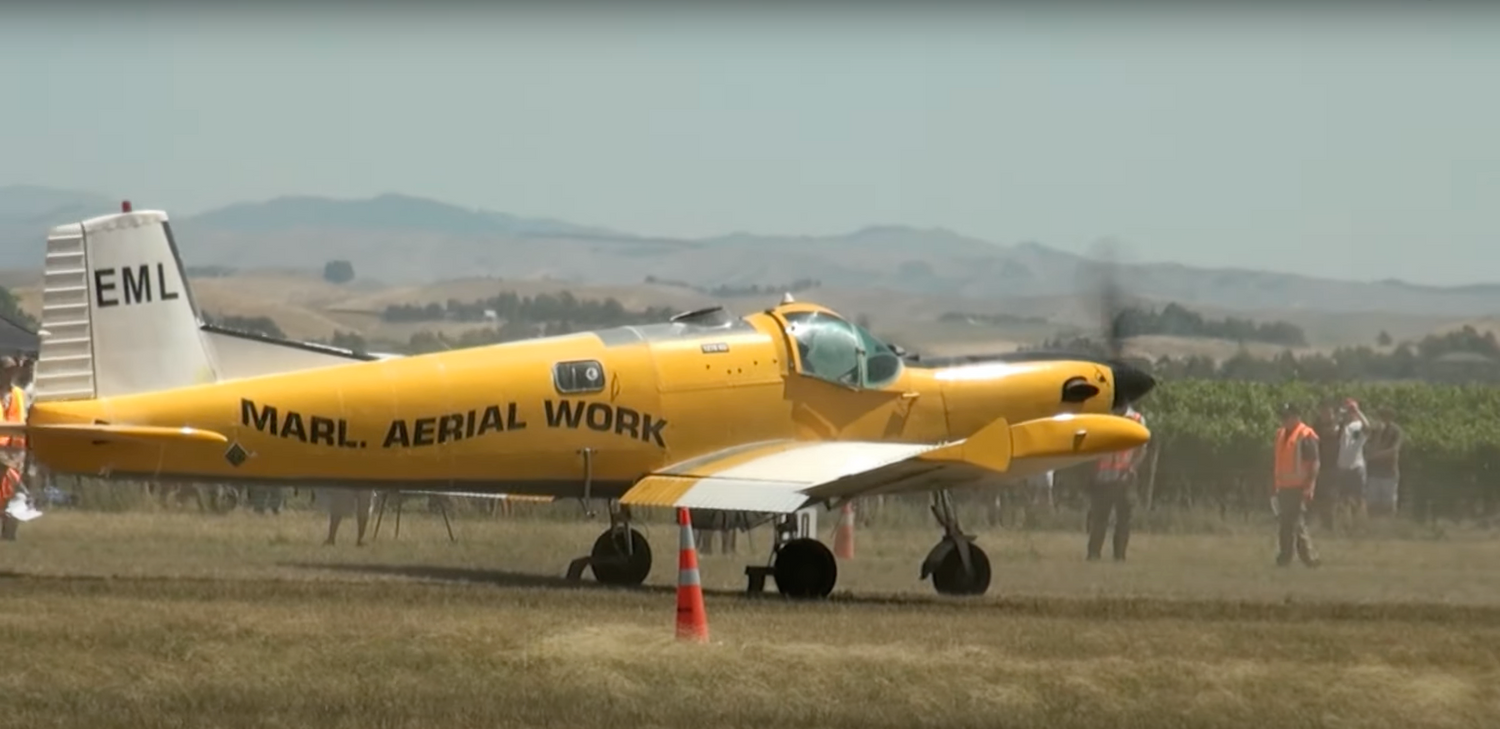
point(829, 348)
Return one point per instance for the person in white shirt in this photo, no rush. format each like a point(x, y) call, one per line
point(1349, 476)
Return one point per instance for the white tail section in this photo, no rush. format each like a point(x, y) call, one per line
point(117, 315)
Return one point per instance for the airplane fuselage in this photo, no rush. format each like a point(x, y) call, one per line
point(545, 416)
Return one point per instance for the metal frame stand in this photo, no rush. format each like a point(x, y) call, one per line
point(400, 500)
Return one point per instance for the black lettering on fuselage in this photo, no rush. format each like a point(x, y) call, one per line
point(396, 435)
point(320, 430)
point(293, 425)
point(600, 417)
point(136, 285)
point(564, 411)
point(452, 427)
point(651, 431)
point(603, 417)
point(423, 432)
point(262, 419)
point(627, 421)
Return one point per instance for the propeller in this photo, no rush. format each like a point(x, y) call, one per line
point(1099, 277)
point(1131, 382)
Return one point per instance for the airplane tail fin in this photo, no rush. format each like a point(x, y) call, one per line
point(117, 315)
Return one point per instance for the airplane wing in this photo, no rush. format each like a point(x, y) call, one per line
point(784, 476)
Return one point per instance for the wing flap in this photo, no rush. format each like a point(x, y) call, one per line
point(768, 477)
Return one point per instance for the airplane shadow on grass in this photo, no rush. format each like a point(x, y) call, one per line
point(506, 578)
point(1123, 607)
point(496, 578)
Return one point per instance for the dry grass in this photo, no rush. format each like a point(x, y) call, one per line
point(176, 619)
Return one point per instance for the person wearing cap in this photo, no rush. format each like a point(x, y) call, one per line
point(1349, 476)
point(1295, 478)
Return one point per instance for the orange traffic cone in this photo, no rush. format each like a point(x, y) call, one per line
point(843, 537)
point(692, 619)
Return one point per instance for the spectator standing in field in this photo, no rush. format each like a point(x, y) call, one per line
point(1294, 479)
point(10, 485)
point(1115, 479)
point(1329, 430)
point(1382, 461)
point(343, 503)
point(1353, 433)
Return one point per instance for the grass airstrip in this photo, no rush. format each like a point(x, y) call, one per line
point(161, 618)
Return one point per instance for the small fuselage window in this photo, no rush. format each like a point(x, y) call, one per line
point(578, 376)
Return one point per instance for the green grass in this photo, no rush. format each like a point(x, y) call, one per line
point(179, 619)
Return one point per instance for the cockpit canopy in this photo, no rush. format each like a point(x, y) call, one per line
point(838, 351)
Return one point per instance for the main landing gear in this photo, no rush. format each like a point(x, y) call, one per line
point(957, 565)
point(621, 555)
point(804, 567)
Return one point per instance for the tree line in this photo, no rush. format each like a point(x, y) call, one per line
point(736, 290)
point(964, 317)
point(560, 308)
point(1172, 320)
point(250, 324)
point(1457, 356)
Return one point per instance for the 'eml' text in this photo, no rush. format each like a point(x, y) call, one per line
point(132, 285)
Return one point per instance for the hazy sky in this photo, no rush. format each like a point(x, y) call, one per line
point(1355, 144)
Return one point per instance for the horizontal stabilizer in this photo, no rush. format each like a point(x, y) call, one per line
point(136, 433)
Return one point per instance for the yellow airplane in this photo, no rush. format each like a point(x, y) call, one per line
point(784, 409)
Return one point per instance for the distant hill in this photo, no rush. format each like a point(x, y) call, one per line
point(389, 212)
point(27, 212)
point(411, 241)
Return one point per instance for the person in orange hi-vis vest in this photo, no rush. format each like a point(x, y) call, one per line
point(1295, 479)
point(13, 398)
point(1113, 490)
point(10, 483)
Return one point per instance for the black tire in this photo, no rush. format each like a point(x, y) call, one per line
point(805, 569)
point(950, 578)
point(613, 565)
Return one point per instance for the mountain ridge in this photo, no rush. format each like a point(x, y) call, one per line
point(406, 239)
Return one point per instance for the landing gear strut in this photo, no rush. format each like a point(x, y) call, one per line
point(957, 565)
point(621, 555)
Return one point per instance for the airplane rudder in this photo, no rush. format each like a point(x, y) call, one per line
point(121, 288)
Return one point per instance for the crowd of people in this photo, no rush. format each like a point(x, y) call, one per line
point(1342, 462)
